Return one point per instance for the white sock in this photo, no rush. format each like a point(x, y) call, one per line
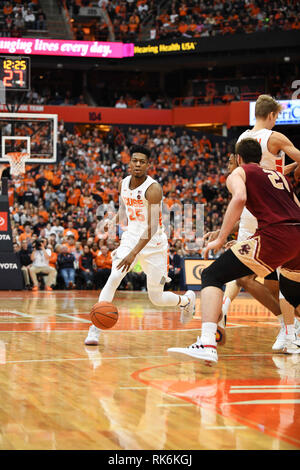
point(208, 334)
point(226, 305)
point(281, 320)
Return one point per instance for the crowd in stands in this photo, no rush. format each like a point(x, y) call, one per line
point(55, 209)
point(18, 17)
point(126, 18)
point(56, 98)
point(194, 18)
point(146, 101)
point(280, 89)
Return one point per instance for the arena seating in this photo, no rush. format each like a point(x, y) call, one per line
point(20, 18)
point(145, 19)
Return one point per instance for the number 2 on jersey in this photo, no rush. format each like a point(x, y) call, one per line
point(136, 214)
point(275, 178)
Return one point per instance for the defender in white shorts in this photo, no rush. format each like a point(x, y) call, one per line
point(144, 240)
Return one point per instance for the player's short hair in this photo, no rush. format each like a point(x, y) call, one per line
point(140, 149)
point(265, 105)
point(250, 150)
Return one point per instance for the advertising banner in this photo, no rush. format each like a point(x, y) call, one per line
point(11, 277)
point(66, 48)
point(220, 87)
point(193, 268)
point(290, 113)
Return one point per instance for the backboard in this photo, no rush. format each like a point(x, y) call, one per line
point(35, 134)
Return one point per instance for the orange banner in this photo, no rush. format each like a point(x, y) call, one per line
point(233, 114)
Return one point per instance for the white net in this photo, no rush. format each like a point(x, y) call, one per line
point(17, 162)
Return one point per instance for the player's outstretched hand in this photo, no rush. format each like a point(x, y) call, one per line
point(215, 246)
point(126, 262)
point(211, 236)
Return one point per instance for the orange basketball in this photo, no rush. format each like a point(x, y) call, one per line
point(104, 315)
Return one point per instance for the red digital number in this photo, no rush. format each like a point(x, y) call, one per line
point(21, 75)
point(9, 76)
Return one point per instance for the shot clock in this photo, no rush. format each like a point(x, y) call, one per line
point(15, 72)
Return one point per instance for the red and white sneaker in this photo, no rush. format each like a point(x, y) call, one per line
point(197, 350)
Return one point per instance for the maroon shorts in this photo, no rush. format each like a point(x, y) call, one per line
point(270, 248)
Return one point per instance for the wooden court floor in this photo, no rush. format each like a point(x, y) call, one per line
point(56, 393)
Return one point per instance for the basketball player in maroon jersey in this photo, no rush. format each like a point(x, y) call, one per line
point(274, 147)
point(276, 244)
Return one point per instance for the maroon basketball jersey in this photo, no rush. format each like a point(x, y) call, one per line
point(270, 197)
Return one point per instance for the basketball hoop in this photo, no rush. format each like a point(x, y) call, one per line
point(17, 162)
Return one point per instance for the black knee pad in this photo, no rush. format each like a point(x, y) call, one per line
point(210, 277)
point(225, 269)
point(290, 290)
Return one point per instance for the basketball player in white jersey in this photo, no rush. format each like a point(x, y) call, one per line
point(144, 240)
point(274, 147)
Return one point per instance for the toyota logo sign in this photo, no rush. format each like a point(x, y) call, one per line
point(3, 221)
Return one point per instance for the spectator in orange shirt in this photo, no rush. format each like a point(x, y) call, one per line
point(125, 155)
point(103, 263)
point(70, 230)
point(8, 8)
point(204, 142)
point(71, 244)
point(54, 255)
point(27, 234)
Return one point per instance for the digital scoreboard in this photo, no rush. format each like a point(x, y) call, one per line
point(15, 72)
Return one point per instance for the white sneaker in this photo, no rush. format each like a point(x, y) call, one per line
point(297, 326)
point(196, 351)
point(292, 346)
point(188, 310)
point(92, 338)
point(280, 340)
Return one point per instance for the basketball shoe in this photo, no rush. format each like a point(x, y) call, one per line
point(188, 310)
point(291, 346)
point(280, 340)
point(297, 326)
point(197, 350)
point(92, 338)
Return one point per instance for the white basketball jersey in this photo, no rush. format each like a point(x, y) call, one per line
point(268, 160)
point(248, 223)
point(136, 206)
